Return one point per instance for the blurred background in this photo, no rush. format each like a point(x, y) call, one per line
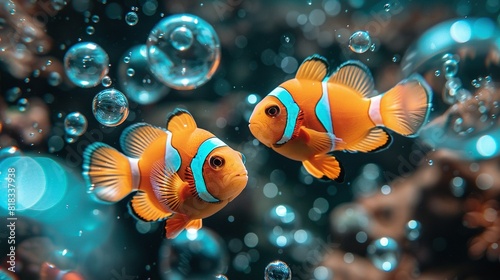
point(425, 208)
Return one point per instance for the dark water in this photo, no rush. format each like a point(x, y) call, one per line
point(426, 207)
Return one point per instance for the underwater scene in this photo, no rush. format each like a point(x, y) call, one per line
point(249, 139)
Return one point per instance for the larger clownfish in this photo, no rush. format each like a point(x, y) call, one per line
point(180, 174)
point(308, 117)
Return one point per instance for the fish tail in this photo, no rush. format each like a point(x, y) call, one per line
point(107, 172)
point(404, 108)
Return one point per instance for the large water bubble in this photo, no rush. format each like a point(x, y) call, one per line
point(183, 51)
point(110, 107)
point(141, 87)
point(193, 254)
point(384, 253)
point(277, 270)
point(86, 64)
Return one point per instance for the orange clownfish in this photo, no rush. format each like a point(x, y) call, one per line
point(308, 117)
point(181, 174)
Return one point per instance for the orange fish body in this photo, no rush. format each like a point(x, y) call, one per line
point(308, 117)
point(181, 174)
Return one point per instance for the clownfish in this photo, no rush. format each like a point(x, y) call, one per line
point(49, 271)
point(313, 114)
point(180, 174)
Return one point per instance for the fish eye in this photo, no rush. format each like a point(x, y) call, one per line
point(216, 162)
point(273, 111)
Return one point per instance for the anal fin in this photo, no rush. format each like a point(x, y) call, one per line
point(375, 140)
point(324, 165)
point(143, 208)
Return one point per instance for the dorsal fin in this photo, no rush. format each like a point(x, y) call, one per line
point(355, 75)
point(179, 120)
point(136, 138)
point(314, 68)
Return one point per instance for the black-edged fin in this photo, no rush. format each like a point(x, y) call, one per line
point(375, 140)
point(143, 208)
point(355, 75)
point(136, 138)
point(107, 172)
point(324, 165)
point(315, 68)
point(167, 185)
point(180, 119)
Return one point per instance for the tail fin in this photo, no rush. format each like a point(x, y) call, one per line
point(405, 107)
point(107, 172)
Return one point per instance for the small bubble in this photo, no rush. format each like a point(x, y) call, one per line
point(309, 2)
point(54, 79)
point(181, 38)
point(220, 277)
point(475, 83)
point(95, 18)
point(126, 59)
point(360, 41)
point(396, 58)
point(22, 104)
point(373, 47)
point(110, 107)
point(450, 68)
point(75, 124)
point(90, 30)
point(413, 229)
point(13, 94)
point(437, 73)
point(431, 162)
point(457, 125)
point(130, 72)
point(106, 81)
point(131, 18)
point(387, 7)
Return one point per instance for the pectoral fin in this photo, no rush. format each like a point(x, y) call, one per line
point(320, 142)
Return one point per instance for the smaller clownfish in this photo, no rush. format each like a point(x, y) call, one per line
point(308, 117)
point(49, 271)
point(180, 174)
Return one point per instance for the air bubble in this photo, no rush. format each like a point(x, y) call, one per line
point(131, 18)
point(360, 41)
point(75, 124)
point(277, 270)
point(86, 64)
point(384, 253)
point(183, 51)
point(110, 107)
point(106, 81)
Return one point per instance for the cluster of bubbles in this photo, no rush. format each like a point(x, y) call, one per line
point(453, 91)
point(182, 52)
point(282, 222)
